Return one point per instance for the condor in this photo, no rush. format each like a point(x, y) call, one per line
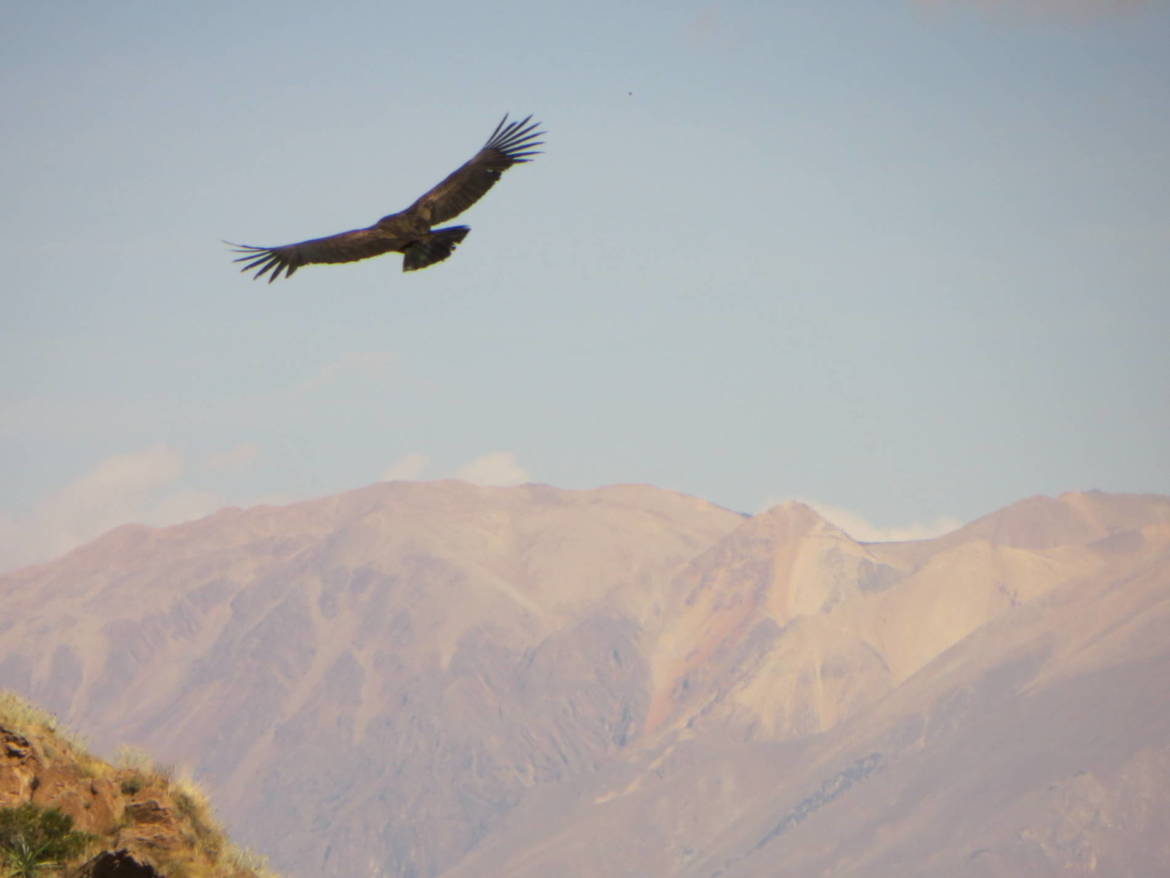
point(409, 232)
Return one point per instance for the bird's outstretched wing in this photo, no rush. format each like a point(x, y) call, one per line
point(510, 144)
point(345, 247)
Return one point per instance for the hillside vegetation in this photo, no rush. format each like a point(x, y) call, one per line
point(64, 810)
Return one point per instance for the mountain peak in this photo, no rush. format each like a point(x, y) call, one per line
point(792, 510)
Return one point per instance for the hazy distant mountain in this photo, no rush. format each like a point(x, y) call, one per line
point(441, 679)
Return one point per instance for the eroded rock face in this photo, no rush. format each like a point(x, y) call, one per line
point(29, 774)
point(151, 826)
point(93, 803)
point(17, 768)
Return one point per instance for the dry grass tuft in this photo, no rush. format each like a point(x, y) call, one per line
point(134, 759)
point(22, 716)
point(28, 719)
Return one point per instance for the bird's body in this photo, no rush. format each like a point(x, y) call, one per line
point(409, 232)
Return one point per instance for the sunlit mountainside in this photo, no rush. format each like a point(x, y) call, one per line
point(438, 679)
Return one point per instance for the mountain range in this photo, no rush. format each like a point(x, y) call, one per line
point(440, 679)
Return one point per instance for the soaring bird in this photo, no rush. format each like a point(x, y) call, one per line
point(410, 231)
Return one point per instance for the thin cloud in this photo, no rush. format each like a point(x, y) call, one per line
point(864, 531)
point(407, 468)
point(497, 468)
point(183, 505)
point(138, 487)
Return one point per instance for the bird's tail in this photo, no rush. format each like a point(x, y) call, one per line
point(435, 247)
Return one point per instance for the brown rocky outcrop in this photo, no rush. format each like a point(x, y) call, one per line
point(144, 824)
point(51, 776)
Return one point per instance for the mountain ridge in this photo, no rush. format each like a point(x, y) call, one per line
point(496, 655)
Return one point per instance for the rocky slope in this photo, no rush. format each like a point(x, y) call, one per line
point(142, 821)
point(441, 679)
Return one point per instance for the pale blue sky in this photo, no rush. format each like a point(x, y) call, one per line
point(908, 259)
